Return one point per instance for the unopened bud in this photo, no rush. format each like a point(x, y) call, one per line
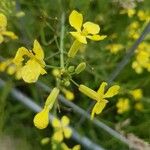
point(71, 68)
point(80, 67)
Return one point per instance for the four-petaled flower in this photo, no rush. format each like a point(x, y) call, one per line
point(3, 31)
point(61, 128)
point(32, 69)
point(99, 96)
point(90, 30)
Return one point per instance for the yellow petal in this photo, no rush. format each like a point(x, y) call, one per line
point(112, 91)
point(56, 123)
point(65, 120)
point(96, 37)
point(76, 147)
point(89, 92)
point(79, 37)
point(91, 28)
point(41, 119)
point(99, 106)
point(3, 21)
point(31, 71)
point(76, 20)
point(19, 55)
point(10, 34)
point(58, 136)
point(37, 49)
point(101, 89)
point(67, 132)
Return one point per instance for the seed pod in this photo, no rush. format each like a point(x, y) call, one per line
point(80, 67)
point(71, 69)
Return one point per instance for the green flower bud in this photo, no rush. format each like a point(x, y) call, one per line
point(71, 68)
point(80, 67)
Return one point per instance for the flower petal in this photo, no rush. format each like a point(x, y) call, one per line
point(56, 123)
point(101, 89)
point(96, 37)
point(91, 27)
point(67, 132)
point(79, 37)
point(31, 71)
point(76, 20)
point(99, 106)
point(65, 120)
point(19, 55)
point(58, 136)
point(112, 91)
point(3, 21)
point(10, 34)
point(37, 49)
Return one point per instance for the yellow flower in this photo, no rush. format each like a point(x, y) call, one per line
point(41, 119)
point(34, 66)
point(99, 96)
point(122, 105)
point(3, 31)
point(130, 12)
point(68, 94)
point(65, 147)
point(143, 16)
point(137, 94)
point(139, 106)
point(61, 128)
point(114, 48)
point(10, 68)
point(90, 30)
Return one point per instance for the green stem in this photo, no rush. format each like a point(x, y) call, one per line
point(75, 83)
point(50, 66)
point(61, 40)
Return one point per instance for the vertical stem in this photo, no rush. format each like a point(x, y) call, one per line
point(62, 40)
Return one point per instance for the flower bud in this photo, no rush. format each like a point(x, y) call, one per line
point(80, 67)
point(51, 98)
point(71, 69)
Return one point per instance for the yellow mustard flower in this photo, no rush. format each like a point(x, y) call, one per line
point(139, 106)
point(137, 94)
point(10, 68)
point(143, 16)
point(114, 48)
point(99, 96)
point(3, 30)
point(61, 128)
point(41, 119)
point(123, 105)
point(65, 147)
point(129, 12)
point(142, 60)
point(68, 94)
point(90, 30)
point(34, 66)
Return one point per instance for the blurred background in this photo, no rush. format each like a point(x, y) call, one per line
point(123, 22)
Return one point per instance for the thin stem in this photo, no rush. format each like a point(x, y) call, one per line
point(51, 56)
point(62, 40)
point(50, 66)
point(75, 83)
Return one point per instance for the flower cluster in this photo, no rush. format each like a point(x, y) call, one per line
point(3, 29)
